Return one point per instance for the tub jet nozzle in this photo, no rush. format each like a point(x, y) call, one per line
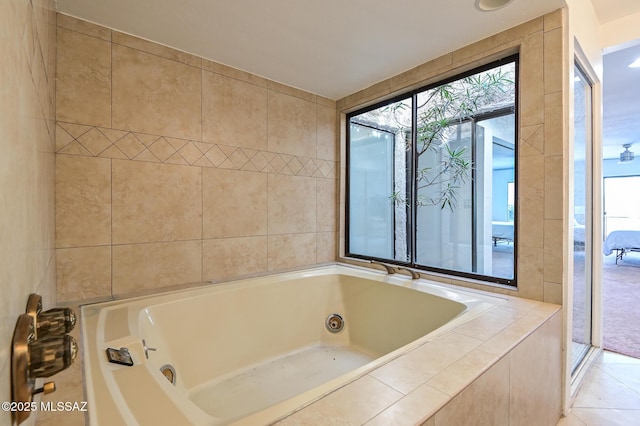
point(334, 323)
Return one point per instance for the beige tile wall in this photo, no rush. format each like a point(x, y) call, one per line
point(542, 138)
point(171, 169)
point(27, 232)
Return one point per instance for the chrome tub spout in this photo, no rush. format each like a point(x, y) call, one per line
point(415, 275)
point(390, 269)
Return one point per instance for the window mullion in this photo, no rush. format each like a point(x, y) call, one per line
point(412, 178)
point(474, 200)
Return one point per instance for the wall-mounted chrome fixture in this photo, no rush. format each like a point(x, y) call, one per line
point(40, 348)
point(415, 275)
point(147, 349)
point(390, 269)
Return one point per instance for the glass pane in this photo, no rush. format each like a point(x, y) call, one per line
point(444, 200)
point(495, 196)
point(378, 195)
point(464, 166)
point(511, 200)
point(581, 248)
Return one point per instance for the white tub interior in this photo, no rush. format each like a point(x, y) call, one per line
point(263, 385)
point(255, 350)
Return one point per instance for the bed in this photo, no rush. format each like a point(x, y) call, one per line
point(501, 231)
point(622, 242)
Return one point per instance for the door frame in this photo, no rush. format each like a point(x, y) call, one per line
point(594, 190)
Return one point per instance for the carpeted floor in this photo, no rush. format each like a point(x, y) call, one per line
point(621, 310)
point(621, 303)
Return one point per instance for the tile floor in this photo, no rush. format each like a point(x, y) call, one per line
point(610, 394)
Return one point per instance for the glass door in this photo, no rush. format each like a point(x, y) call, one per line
point(582, 207)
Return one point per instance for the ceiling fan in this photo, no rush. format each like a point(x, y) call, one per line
point(626, 156)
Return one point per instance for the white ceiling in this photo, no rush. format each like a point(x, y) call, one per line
point(335, 47)
point(610, 10)
point(331, 48)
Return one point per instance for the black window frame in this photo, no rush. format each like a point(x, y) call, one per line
point(412, 210)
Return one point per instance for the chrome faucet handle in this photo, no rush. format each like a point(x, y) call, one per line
point(147, 349)
point(390, 269)
point(415, 275)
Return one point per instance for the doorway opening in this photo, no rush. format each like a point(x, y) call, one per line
point(621, 202)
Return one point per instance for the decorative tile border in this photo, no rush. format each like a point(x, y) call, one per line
point(77, 139)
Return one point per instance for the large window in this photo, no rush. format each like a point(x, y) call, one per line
point(431, 179)
point(621, 209)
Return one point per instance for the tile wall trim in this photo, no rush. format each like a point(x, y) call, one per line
point(92, 141)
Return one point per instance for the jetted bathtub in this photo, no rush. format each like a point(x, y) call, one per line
point(254, 351)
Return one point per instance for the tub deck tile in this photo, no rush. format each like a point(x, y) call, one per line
point(410, 410)
point(488, 324)
point(354, 404)
point(462, 372)
point(408, 372)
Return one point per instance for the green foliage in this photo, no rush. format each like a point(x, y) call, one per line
point(451, 103)
point(440, 111)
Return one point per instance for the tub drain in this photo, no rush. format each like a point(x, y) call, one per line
point(334, 323)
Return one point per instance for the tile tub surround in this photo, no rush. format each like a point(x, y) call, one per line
point(509, 374)
point(173, 169)
point(27, 230)
point(541, 133)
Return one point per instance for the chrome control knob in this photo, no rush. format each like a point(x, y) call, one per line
point(51, 355)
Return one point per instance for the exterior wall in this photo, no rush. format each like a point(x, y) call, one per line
point(171, 169)
point(542, 141)
point(27, 257)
